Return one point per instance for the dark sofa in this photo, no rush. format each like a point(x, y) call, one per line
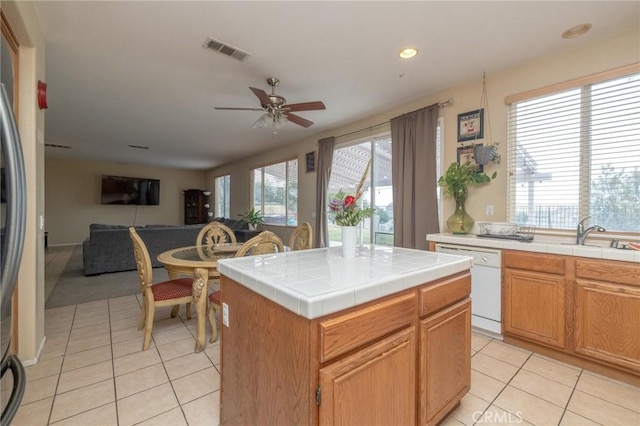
point(109, 248)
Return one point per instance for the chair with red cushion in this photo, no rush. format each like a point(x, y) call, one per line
point(264, 243)
point(215, 301)
point(167, 293)
point(215, 233)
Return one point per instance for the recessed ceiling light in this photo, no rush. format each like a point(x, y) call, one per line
point(408, 53)
point(576, 31)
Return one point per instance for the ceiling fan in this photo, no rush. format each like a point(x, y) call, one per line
point(276, 110)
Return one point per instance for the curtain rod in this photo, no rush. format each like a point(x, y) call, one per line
point(375, 126)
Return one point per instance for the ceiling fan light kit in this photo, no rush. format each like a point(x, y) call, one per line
point(276, 110)
point(275, 121)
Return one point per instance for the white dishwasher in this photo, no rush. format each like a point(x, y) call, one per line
point(486, 286)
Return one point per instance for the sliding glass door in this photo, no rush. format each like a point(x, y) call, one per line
point(349, 162)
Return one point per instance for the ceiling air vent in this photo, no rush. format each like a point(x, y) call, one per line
point(225, 49)
point(52, 145)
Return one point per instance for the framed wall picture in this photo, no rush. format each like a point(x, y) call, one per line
point(310, 162)
point(465, 153)
point(471, 125)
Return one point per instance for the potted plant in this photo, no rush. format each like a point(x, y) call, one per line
point(455, 183)
point(253, 217)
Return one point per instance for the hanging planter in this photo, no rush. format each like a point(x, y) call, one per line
point(484, 154)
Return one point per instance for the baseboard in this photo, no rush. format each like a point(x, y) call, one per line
point(593, 366)
point(34, 360)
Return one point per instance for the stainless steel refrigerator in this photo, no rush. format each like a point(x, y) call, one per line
point(12, 214)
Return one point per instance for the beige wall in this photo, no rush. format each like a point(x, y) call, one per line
point(618, 50)
point(72, 197)
point(31, 68)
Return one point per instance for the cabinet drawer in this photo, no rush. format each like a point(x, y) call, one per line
point(346, 332)
point(538, 262)
point(610, 271)
point(444, 293)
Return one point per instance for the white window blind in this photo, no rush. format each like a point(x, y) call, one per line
point(222, 192)
point(275, 193)
point(575, 153)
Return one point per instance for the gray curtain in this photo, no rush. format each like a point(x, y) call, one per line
point(413, 150)
point(325, 158)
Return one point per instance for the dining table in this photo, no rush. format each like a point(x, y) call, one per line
point(201, 262)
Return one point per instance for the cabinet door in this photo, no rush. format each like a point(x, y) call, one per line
point(444, 361)
point(374, 386)
point(607, 322)
point(534, 306)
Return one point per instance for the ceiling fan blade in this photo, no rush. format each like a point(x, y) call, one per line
point(262, 95)
point(305, 106)
point(298, 120)
point(238, 109)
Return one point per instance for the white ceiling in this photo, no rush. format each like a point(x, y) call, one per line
point(135, 73)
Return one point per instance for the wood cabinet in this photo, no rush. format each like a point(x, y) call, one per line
point(607, 312)
point(379, 375)
point(534, 301)
point(196, 206)
point(445, 364)
point(403, 359)
point(586, 310)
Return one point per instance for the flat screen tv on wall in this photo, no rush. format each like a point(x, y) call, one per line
point(128, 190)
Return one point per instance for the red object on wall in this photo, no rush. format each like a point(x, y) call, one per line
point(42, 95)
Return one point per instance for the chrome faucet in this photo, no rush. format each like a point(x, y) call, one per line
point(581, 233)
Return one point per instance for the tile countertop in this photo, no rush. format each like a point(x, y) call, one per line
point(317, 282)
point(540, 244)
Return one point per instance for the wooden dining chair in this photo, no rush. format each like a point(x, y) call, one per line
point(264, 243)
point(211, 235)
point(302, 237)
point(215, 305)
point(167, 293)
point(215, 233)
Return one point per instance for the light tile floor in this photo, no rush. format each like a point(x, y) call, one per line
point(510, 385)
point(93, 372)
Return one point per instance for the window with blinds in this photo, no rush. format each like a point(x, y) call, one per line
point(222, 193)
point(275, 193)
point(575, 152)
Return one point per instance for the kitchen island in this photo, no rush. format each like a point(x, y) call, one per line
point(311, 338)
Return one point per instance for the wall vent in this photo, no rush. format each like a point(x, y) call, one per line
point(225, 49)
point(52, 145)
